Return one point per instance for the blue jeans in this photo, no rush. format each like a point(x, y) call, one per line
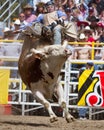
point(82, 112)
point(57, 35)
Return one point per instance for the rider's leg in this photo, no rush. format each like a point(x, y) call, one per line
point(57, 34)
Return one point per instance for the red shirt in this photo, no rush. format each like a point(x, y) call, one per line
point(90, 40)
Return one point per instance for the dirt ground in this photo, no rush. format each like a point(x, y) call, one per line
point(12, 122)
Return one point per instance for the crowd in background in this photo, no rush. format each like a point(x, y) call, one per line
point(87, 15)
point(82, 12)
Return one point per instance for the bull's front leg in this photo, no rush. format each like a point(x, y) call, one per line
point(62, 103)
point(47, 105)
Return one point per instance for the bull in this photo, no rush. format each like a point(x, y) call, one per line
point(39, 68)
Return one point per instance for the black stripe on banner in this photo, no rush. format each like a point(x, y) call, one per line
point(85, 86)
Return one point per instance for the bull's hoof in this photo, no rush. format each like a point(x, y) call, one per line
point(70, 119)
point(53, 119)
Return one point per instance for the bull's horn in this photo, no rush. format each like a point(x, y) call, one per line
point(65, 43)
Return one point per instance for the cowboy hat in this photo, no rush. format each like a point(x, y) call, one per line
point(87, 29)
point(84, 23)
point(17, 22)
point(82, 36)
point(28, 7)
point(40, 4)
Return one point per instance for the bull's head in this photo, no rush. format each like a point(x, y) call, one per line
point(52, 50)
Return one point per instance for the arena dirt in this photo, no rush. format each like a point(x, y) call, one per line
point(12, 122)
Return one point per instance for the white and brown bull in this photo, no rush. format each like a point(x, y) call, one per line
point(39, 69)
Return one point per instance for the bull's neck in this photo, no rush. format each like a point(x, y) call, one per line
point(27, 43)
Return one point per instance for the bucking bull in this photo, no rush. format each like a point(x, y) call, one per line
point(40, 68)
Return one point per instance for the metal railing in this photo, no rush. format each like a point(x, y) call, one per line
point(8, 8)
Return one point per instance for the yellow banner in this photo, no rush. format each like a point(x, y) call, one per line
point(23, 86)
point(4, 81)
point(85, 86)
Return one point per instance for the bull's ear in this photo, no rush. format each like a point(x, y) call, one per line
point(65, 43)
point(37, 54)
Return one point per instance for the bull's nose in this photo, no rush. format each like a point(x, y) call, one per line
point(68, 52)
point(70, 48)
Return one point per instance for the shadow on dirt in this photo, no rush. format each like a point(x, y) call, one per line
point(26, 124)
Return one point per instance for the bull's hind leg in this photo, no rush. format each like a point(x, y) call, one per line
point(47, 105)
point(62, 103)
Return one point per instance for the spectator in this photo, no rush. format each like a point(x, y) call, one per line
point(93, 22)
point(70, 4)
point(88, 34)
point(69, 14)
point(10, 50)
point(78, 14)
point(22, 17)
point(35, 2)
point(82, 24)
point(99, 6)
point(16, 29)
point(84, 53)
point(84, 10)
point(60, 7)
point(99, 30)
point(29, 16)
point(99, 53)
point(17, 25)
point(23, 23)
point(101, 39)
point(60, 4)
point(49, 20)
point(92, 12)
point(101, 18)
point(40, 8)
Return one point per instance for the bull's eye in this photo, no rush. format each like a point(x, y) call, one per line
point(47, 53)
